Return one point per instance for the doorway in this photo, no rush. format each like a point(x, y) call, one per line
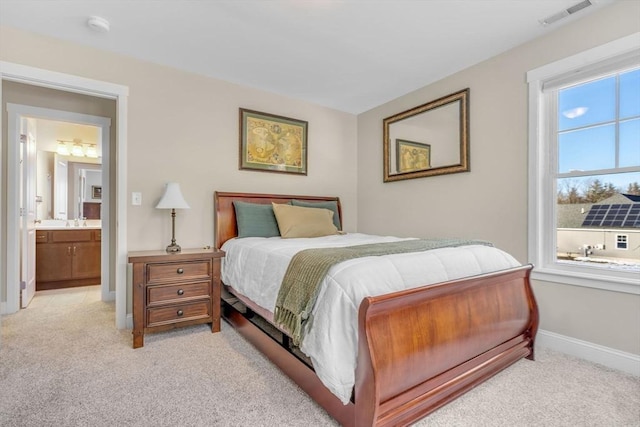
point(117, 251)
point(69, 154)
point(52, 129)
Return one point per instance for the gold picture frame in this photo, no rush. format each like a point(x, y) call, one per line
point(271, 143)
point(444, 123)
point(412, 156)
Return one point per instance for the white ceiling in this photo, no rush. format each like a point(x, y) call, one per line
point(351, 55)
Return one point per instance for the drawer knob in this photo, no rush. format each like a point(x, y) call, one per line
point(180, 271)
point(180, 312)
point(180, 292)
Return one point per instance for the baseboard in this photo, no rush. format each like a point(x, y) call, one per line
point(609, 357)
point(3, 308)
point(129, 321)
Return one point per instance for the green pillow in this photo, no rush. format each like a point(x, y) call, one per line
point(255, 220)
point(331, 205)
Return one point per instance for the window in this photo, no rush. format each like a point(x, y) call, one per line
point(621, 241)
point(584, 167)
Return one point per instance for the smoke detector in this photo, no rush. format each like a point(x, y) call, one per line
point(566, 12)
point(98, 24)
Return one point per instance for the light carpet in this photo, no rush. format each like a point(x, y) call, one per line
point(67, 365)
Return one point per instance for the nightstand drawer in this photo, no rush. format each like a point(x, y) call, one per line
point(172, 271)
point(163, 294)
point(178, 313)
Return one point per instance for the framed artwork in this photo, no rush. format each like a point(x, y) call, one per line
point(272, 143)
point(412, 156)
point(96, 191)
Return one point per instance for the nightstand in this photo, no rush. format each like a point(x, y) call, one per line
point(171, 290)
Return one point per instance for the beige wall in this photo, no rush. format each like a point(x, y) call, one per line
point(184, 127)
point(490, 202)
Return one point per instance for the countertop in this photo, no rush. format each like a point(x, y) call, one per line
point(62, 224)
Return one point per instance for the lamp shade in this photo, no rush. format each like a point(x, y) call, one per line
point(172, 198)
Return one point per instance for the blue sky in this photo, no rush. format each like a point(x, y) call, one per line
point(587, 125)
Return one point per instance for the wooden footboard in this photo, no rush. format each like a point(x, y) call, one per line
point(421, 348)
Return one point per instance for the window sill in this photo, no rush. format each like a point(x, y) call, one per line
point(619, 281)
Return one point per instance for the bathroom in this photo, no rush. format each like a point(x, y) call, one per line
point(68, 189)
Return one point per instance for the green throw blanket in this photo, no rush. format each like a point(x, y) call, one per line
point(308, 267)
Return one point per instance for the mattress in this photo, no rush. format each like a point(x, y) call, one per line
point(255, 267)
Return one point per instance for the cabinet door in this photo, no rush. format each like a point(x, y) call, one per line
point(53, 261)
point(86, 260)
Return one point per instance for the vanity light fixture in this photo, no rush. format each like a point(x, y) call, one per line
point(77, 150)
point(91, 151)
point(172, 199)
point(62, 149)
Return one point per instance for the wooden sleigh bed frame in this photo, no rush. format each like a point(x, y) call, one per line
point(418, 349)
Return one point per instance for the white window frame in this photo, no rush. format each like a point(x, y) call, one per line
point(542, 195)
point(622, 238)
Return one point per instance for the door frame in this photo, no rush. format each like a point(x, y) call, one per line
point(118, 239)
point(15, 112)
point(27, 185)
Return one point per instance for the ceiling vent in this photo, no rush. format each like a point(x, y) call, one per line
point(566, 12)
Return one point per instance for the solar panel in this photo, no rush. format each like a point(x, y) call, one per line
point(633, 218)
point(596, 215)
point(616, 215)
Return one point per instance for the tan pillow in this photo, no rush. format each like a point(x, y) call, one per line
point(296, 221)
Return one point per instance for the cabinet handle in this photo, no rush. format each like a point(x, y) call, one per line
point(74, 251)
point(180, 292)
point(180, 271)
point(68, 250)
point(180, 313)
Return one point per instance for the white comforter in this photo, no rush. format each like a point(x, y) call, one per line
point(255, 266)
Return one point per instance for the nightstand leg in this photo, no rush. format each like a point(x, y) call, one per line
point(138, 304)
point(138, 339)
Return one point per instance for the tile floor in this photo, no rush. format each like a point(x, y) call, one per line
point(66, 296)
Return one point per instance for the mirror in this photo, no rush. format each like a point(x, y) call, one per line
point(428, 140)
point(65, 187)
point(68, 167)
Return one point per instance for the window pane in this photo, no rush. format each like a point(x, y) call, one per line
point(597, 187)
point(587, 104)
point(630, 94)
point(630, 143)
point(587, 149)
point(592, 213)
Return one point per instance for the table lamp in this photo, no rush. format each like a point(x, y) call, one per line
point(172, 199)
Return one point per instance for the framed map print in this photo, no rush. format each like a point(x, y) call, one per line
point(272, 143)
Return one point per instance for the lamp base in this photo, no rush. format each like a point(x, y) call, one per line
point(173, 248)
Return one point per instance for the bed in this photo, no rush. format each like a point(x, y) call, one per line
point(417, 349)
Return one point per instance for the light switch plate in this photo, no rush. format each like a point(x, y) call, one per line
point(136, 199)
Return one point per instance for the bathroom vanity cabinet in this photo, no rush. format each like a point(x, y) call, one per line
point(67, 258)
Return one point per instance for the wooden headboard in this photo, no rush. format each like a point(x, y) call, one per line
point(224, 216)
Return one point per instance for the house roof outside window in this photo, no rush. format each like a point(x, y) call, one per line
point(605, 213)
